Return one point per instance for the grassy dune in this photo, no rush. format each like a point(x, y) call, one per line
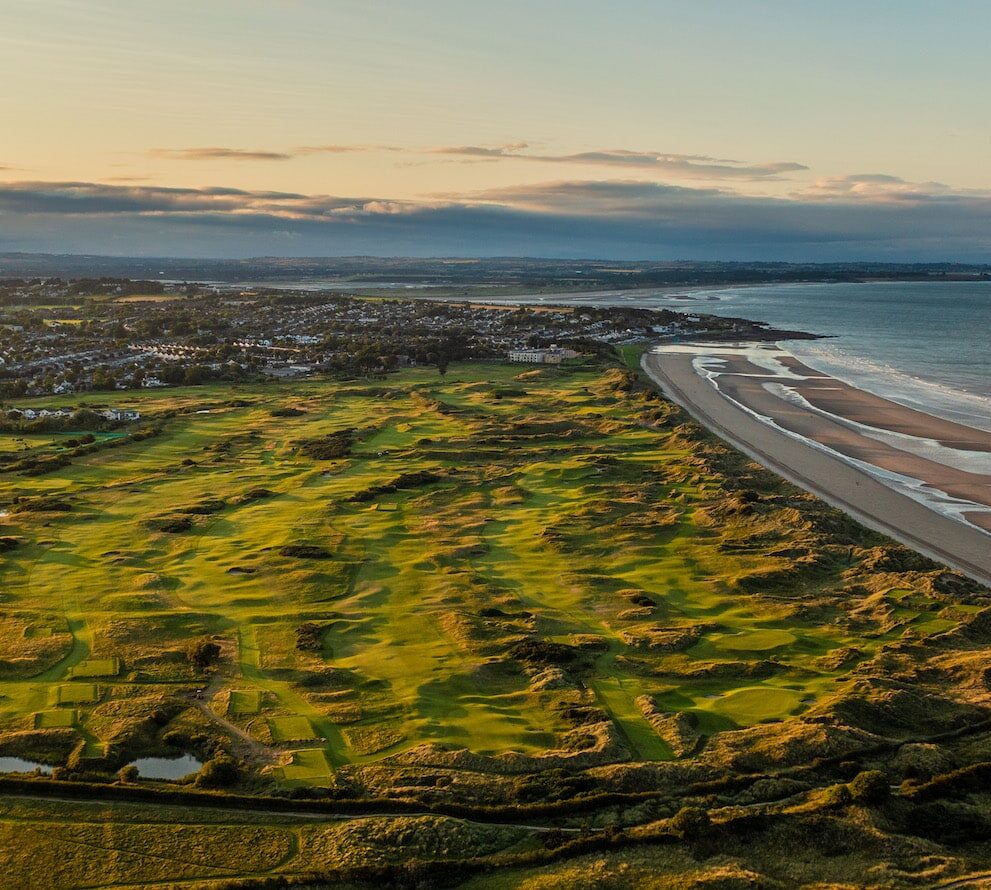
point(69, 845)
point(497, 548)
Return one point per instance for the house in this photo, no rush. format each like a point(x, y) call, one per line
point(553, 356)
point(62, 388)
point(118, 415)
point(531, 356)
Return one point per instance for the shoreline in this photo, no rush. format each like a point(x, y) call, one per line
point(824, 452)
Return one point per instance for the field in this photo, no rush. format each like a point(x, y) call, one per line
point(490, 551)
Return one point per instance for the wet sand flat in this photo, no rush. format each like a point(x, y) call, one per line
point(738, 386)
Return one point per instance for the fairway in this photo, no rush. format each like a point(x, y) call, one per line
point(755, 641)
point(489, 560)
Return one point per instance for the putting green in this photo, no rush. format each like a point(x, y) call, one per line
point(308, 767)
point(762, 640)
point(245, 701)
point(288, 729)
point(77, 693)
point(54, 719)
point(755, 704)
point(96, 667)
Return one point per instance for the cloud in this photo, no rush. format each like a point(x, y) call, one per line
point(77, 199)
point(571, 218)
point(481, 151)
point(882, 187)
point(335, 149)
point(680, 166)
point(218, 154)
point(677, 165)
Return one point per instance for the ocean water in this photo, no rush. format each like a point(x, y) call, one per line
point(924, 344)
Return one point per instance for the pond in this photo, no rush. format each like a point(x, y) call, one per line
point(169, 768)
point(20, 765)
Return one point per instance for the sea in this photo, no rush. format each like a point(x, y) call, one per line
point(923, 344)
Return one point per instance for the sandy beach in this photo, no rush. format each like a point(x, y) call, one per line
point(924, 480)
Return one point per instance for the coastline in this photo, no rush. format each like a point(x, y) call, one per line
point(918, 343)
point(809, 428)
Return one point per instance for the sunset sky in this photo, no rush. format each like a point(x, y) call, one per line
point(709, 130)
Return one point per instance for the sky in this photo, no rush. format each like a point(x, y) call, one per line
point(716, 129)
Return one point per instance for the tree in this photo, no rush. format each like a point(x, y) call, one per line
point(203, 653)
point(195, 375)
point(219, 772)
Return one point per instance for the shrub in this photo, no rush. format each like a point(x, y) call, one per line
point(329, 447)
point(48, 465)
point(41, 505)
point(308, 637)
point(870, 786)
point(173, 525)
point(402, 482)
point(203, 653)
point(204, 508)
point(176, 738)
point(305, 551)
point(836, 795)
point(220, 772)
point(641, 599)
point(544, 652)
point(257, 494)
point(690, 822)
point(947, 823)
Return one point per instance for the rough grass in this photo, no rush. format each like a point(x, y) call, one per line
point(457, 527)
point(135, 845)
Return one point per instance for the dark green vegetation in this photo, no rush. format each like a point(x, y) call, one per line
point(530, 597)
point(502, 275)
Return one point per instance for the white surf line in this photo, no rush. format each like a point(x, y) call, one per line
point(978, 462)
point(920, 491)
point(865, 518)
point(928, 396)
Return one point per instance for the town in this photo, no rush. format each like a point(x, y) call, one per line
point(60, 337)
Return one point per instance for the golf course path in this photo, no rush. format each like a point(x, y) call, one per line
point(246, 747)
point(836, 481)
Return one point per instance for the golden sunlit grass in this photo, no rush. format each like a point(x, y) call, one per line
point(371, 602)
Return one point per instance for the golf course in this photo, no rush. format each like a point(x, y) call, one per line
point(464, 561)
point(482, 618)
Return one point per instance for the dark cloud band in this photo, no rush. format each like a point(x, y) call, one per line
point(624, 219)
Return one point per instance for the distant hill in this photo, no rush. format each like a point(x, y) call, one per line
point(439, 272)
